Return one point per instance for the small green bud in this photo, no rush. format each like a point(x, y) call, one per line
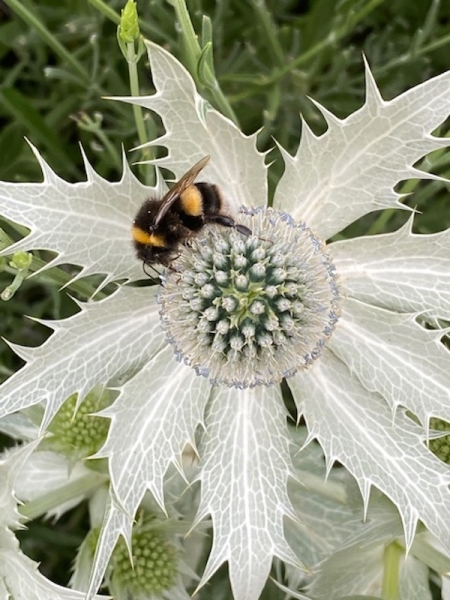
point(440, 446)
point(155, 564)
point(129, 23)
point(21, 260)
point(79, 434)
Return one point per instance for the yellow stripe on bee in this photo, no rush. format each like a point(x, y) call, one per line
point(191, 201)
point(150, 239)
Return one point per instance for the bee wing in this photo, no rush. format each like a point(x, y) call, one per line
point(187, 180)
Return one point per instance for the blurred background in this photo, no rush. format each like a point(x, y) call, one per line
point(58, 61)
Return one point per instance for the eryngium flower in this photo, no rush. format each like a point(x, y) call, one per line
point(250, 311)
point(380, 356)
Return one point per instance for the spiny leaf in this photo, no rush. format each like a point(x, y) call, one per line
point(244, 473)
point(399, 271)
point(11, 463)
point(396, 357)
point(194, 129)
point(105, 340)
point(353, 167)
point(356, 427)
point(86, 224)
point(157, 412)
point(20, 577)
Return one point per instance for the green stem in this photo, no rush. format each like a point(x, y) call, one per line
point(147, 153)
point(12, 288)
point(406, 57)
point(330, 40)
point(54, 275)
point(48, 37)
point(189, 37)
point(192, 53)
point(391, 572)
point(106, 10)
point(269, 31)
point(40, 506)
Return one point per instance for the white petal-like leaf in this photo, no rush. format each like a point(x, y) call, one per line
point(320, 503)
point(244, 474)
point(152, 420)
point(11, 462)
point(396, 357)
point(445, 588)
point(156, 415)
point(105, 340)
point(87, 223)
point(21, 578)
point(45, 472)
point(400, 271)
point(346, 571)
point(356, 427)
point(194, 129)
point(414, 580)
point(350, 572)
point(115, 524)
point(353, 167)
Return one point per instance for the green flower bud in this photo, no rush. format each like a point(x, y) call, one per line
point(154, 567)
point(21, 260)
point(440, 446)
point(129, 23)
point(79, 434)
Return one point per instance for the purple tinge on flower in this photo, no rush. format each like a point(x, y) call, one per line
point(249, 310)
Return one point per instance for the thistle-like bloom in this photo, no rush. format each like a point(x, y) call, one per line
point(343, 322)
point(246, 312)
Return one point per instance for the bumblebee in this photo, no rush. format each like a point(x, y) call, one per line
point(162, 225)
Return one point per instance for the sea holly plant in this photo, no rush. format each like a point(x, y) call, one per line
point(200, 371)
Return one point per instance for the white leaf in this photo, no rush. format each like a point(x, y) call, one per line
point(21, 578)
point(399, 271)
point(19, 427)
point(115, 524)
point(156, 415)
point(105, 339)
point(320, 503)
point(152, 420)
point(291, 593)
point(356, 566)
point(445, 588)
point(194, 129)
point(350, 572)
point(11, 462)
point(45, 472)
point(414, 580)
point(353, 167)
point(395, 357)
point(244, 473)
point(86, 223)
point(356, 427)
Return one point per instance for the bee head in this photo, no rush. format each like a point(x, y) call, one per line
point(152, 255)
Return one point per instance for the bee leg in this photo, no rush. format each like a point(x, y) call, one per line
point(229, 222)
point(173, 269)
point(169, 265)
point(150, 275)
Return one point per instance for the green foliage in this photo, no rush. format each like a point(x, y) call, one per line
point(58, 61)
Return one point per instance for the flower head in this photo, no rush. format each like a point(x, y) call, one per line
point(343, 322)
point(251, 310)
